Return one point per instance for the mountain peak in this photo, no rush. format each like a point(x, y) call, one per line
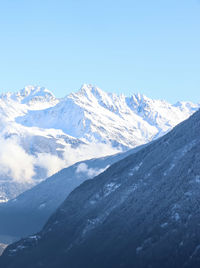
point(30, 92)
point(88, 89)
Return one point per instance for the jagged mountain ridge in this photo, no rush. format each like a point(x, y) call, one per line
point(35, 122)
point(141, 212)
point(99, 116)
point(32, 95)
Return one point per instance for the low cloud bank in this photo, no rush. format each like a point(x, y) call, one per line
point(17, 165)
point(53, 163)
point(90, 172)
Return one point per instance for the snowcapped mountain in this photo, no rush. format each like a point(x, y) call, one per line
point(45, 134)
point(102, 117)
point(22, 148)
point(34, 97)
point(143, 211)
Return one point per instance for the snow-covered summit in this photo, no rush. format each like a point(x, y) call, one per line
point(30, 93)
point(99, 116)
point(34, 96)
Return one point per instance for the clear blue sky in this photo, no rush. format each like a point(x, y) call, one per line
point(151, 46)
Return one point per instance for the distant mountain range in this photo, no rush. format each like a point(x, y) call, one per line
point(40, 134)
point(143, 211)
point(94, 115)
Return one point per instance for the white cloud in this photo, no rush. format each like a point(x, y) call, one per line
point(88, 151)
point(90, 172)
point(51, 163)
point(15, 163)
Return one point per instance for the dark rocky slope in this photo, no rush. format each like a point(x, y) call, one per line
point(143, 211)
point(27, 213)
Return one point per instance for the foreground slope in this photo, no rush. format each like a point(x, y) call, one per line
point(27, 213)
point(143, 211)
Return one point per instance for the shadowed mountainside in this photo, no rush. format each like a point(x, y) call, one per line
point(143, 211)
